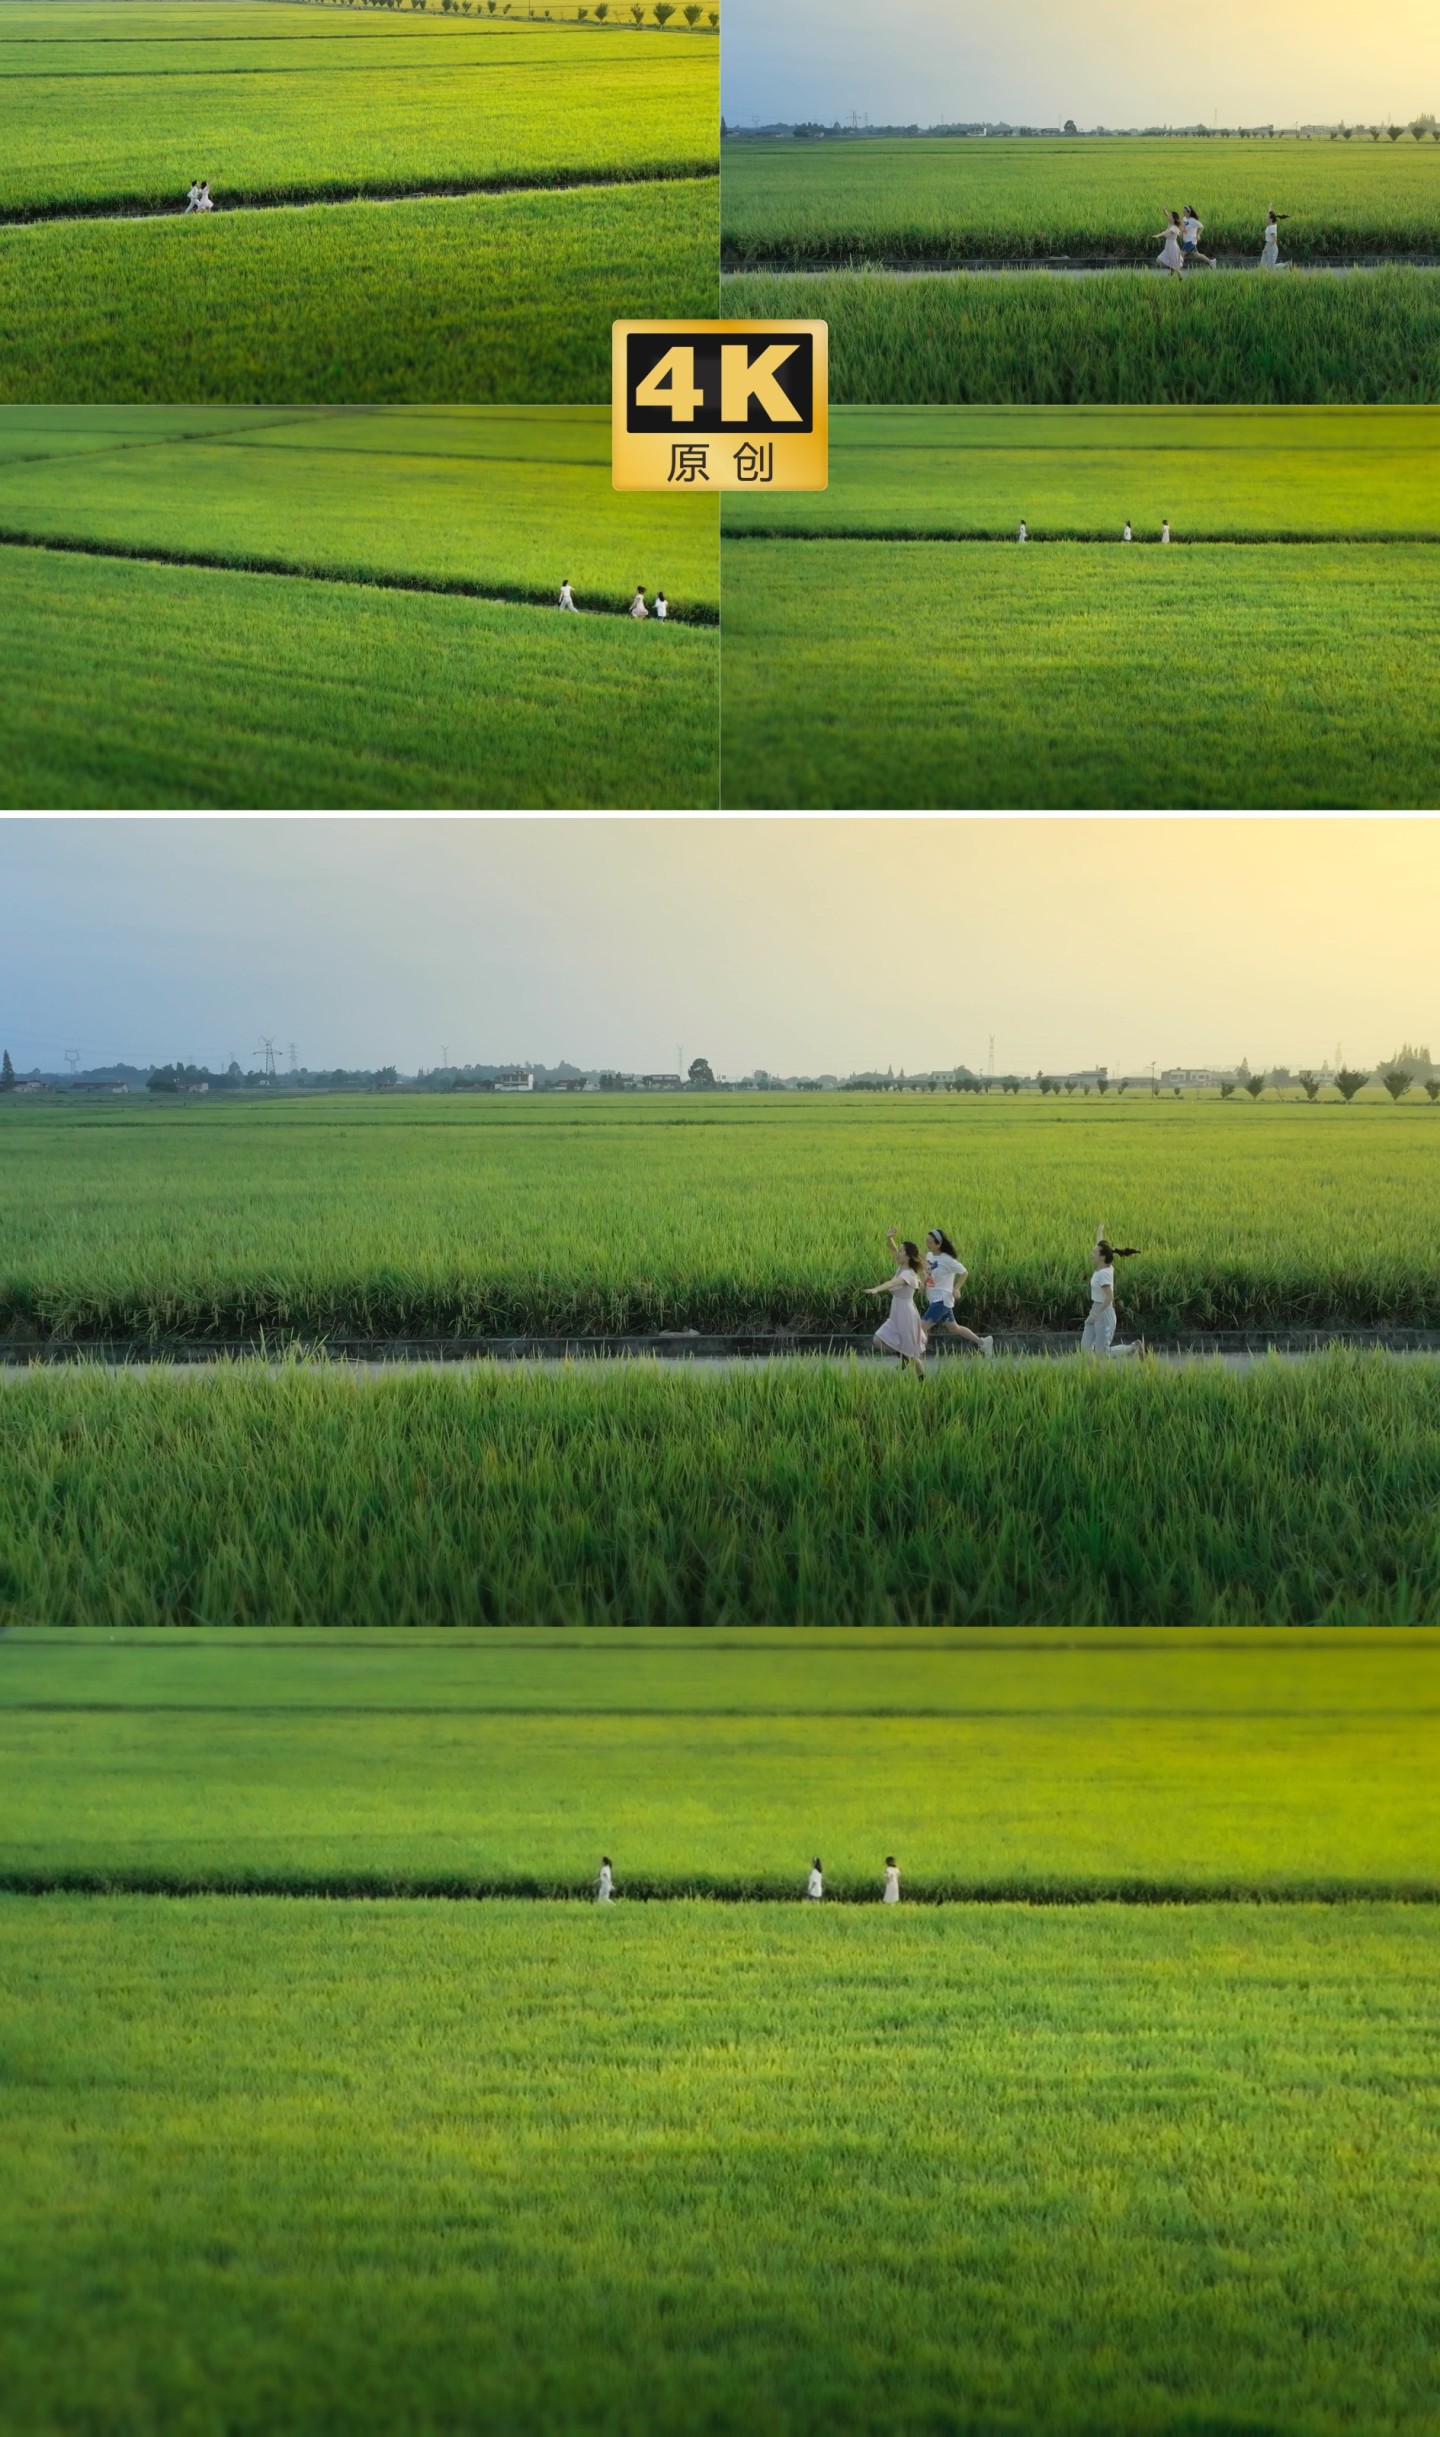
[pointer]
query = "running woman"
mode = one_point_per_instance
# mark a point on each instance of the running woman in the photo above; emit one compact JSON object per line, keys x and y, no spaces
{"x":662,"y":606}
{"x":945,"y":1274}
{"x":892,"y":1881}
{"x":1270,"y":256}
{"x":605,"y":1884}
{"x":1127,"y":535}
{"x":902,"y":1334}
{"x":637,"y":606}
{"x":567,"y":598}
{"x":1170,"y":257}
{"x":1098,"y":1334}
{"x":815,"y":1887}
{"x":204,"y":201}
{"x":1024,"y":533}
{"x":192,"y":200}
{"x":1164,"y":528}
{"x":1192,"y":229}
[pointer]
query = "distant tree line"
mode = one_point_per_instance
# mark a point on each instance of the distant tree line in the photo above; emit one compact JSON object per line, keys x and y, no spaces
{"x":598,"y":13}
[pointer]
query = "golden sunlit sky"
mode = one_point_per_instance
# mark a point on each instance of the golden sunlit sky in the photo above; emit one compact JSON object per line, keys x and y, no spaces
{"x":1117,"y":63}
{"x":803,"y":946}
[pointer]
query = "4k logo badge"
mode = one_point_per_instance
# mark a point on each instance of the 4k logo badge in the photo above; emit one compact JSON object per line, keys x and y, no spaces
{"x":720,"y":406}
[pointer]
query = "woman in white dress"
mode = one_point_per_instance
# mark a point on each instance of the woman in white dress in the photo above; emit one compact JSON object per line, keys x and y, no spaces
{"x":1270,"y":257}
{"x":1098,"y":1334}
{"x":1170,"y":257}
{"x":815,"y":1886}
{"x":892,"y":1881}
{"x":605,"y":1884}
{"x":902,"y":1333}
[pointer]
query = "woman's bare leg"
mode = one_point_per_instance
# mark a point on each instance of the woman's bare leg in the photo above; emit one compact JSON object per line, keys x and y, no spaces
{"x":953,"y":1328}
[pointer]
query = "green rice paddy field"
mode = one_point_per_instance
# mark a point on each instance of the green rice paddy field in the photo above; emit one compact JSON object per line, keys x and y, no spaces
{"x":953,"y":339}
{"x":941,"y":199}
{"x":855,"y":216}
{"x":396,"y":1217}
{"x":321,"y":649}
{"x":116,"y":105}
{"x":290,"y":2166}
{"x":870,"y":662}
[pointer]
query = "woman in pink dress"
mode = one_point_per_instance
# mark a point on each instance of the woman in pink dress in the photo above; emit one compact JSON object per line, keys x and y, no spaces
{"x":902,"y":1333}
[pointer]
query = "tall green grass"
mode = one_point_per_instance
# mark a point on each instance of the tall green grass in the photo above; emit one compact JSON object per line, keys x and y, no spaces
{"x":1371,"y":338}
{"x":1057,"y":1494}
{"x":941,"y":198}
{"x":471,"y":299}
{"x":393,"y":1217}
{"x":333,"y":693}
{"x":1077,"y":676}
{"x":287,"y":2165}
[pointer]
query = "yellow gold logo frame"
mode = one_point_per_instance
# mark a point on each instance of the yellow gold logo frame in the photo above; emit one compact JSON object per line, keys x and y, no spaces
{"x":740,"y":430}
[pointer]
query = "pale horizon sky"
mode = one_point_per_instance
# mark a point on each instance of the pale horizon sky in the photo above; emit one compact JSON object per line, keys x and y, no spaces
{"x":1112,"y":62}
{"x":800,"y":946}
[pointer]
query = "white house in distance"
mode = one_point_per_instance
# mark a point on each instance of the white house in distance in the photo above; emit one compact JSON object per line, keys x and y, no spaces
{"x":515,"y":1079}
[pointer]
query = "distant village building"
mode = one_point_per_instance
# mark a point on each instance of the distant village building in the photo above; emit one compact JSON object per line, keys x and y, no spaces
{"x":515,"y":1079}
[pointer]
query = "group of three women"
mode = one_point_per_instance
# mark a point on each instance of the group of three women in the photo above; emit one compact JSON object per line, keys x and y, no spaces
{"x":908,"y":1331}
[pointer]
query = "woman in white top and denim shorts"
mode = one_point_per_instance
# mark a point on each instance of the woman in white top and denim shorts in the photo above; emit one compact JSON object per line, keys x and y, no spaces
{"x":945,"y":1274}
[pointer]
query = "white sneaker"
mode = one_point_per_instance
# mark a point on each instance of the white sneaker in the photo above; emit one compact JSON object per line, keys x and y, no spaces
{"x":987,"y":1348}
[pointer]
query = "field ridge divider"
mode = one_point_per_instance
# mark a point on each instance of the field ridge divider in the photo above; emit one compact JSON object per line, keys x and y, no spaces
{"x":890,"y":536}
{"x":439,"y":190}
{"x":358,"y":1886}
{"x":379,"y":579}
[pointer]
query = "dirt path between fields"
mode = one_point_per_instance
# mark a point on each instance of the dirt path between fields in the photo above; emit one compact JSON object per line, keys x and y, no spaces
{"x":894,"y":538}
{"x":145,"y":554}
{"x":399,"y":1886}
{"x":544,"y":182}
{"x":714,"y":1355}
{"x":1094,"y":266}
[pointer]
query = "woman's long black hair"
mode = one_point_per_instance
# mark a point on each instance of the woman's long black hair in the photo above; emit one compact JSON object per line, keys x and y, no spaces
{"x":1116,"y":1252}
{"x":912,"y":1254}
{"x":945,"y":1243}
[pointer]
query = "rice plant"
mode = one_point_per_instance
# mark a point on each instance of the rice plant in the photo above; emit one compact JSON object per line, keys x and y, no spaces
{"x":400,"y":1217}
{"x":908,"y":339}
{"x":946,"y":198}
{"x":1059,"y":1493}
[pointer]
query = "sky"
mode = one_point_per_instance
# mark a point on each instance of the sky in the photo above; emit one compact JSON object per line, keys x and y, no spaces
{"x":803,"y":946}
{"x":1113,"y":62}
